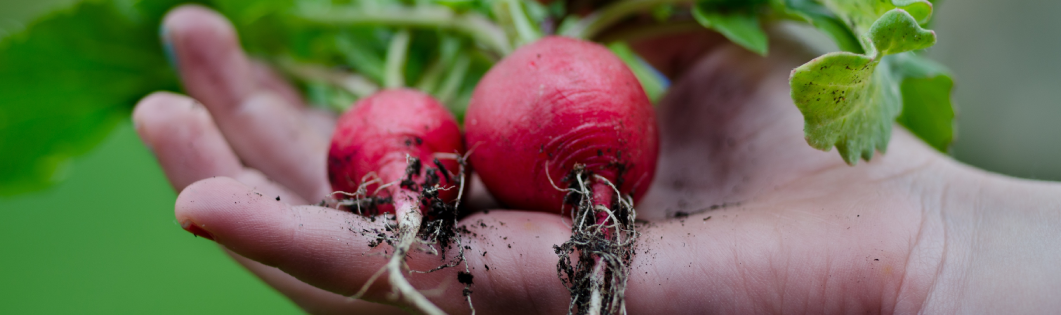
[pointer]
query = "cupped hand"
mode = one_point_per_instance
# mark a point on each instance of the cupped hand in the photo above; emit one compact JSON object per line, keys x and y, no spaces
{"x":743,"y":216}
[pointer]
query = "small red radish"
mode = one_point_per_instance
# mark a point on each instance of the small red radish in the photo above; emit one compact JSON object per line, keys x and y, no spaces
{"x":384,"y":150}
{"x":378,"y":134}
{"x":564,"y":122}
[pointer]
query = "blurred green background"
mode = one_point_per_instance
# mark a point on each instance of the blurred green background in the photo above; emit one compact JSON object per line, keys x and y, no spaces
{"x":105,"y":241}
{"x":1007,"y":73}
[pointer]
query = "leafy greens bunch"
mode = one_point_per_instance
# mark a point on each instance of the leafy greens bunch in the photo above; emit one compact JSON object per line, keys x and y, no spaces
{"x":69,"y":77}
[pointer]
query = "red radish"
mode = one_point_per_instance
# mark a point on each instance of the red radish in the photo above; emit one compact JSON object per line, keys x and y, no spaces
{"x":384,"y":149}
{"x":551,"y":105}
{"x":563,"y":121}
{"x":378,"y":134}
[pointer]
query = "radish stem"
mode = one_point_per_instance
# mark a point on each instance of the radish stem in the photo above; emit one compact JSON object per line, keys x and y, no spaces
{"x":453,"y":79}
{"x":354,"y":84}
{"x":526,"y":31}
{"x":473,"y":25}
{"x":394,"y":73}
{"x":449,"y":51}
{"x":594,"y":24}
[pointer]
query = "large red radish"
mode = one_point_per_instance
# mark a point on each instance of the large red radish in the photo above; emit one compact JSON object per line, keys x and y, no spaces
{"x":562,"y":124}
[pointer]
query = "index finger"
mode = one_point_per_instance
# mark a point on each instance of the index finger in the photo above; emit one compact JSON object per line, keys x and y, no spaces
{"x":509,"y":253}
{"x":263,"y":128}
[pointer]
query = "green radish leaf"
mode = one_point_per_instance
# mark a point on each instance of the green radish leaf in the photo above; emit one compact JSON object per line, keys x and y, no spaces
{"x":848,"y":101}
{"x":739,"y":24}
{"x":927,"y":109}
{"x":68,"y":78}
{"x":812,"y":12}
{"x":862,"y":14}
{"x":653,"y":82}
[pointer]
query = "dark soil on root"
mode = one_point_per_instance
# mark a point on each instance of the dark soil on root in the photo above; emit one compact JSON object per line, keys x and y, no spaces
{"x":591,"y":244}
{"x":438,"y":228}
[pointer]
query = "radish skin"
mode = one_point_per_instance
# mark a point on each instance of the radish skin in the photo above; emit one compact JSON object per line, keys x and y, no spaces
{"x":383,"y":149}
{"x":376,"y":136}
{"x":550,"y":105}
{"x":563,"y":123}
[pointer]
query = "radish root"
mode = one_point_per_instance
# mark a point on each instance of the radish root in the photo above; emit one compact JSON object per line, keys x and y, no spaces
{"x":406,"y":232}
{"x":409,"y":227}
{"x":595,"y":263}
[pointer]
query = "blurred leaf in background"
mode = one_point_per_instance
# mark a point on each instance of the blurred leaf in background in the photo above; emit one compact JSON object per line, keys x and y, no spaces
{"x":104,"y":241}
{"x":65,"y":87}
{"x":67,"y":77}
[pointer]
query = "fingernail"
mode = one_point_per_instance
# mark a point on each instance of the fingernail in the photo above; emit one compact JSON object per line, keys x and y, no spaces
{"x":197,"y":231}
{"x":167,"y":47}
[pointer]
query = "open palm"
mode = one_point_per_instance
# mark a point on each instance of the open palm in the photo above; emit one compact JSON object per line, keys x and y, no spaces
{"x":743,"y":216}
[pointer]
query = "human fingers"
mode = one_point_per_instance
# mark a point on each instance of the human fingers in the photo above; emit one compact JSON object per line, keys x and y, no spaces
{"x":783,"y":254}
{"x":311,"y":299}
{"x":509,"y":253}
{"x":269,"y":80}
{"x":263,"y":128}
{"x":190,"y":148}
{"x":184,"y":139}
{"x":320,"y":120}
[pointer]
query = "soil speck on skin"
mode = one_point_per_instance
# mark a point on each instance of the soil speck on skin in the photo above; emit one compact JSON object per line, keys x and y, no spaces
{"x":277,"y":198}
{"x":681,"y":215}
{"x":464,"y":277}
{"x":707,"y":218}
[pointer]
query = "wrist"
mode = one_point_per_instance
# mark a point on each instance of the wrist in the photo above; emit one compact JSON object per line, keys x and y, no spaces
{"x":1001,"y":241}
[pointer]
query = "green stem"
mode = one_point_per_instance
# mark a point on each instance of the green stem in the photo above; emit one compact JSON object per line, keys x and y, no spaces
{"x":472,"y":24}
{"x":526,"y":31}
{"x":394,"y":72}
{"x":430,"y":80}
{"x":454,"y":79}
{"x":592,"y":25}
{"x":356,"y":85}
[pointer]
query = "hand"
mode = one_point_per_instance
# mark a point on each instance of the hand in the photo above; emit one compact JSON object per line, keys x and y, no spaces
{"x":772,"y":225}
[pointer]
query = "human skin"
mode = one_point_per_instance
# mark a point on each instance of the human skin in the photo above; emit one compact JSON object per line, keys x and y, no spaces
{"x":796,"y":230}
